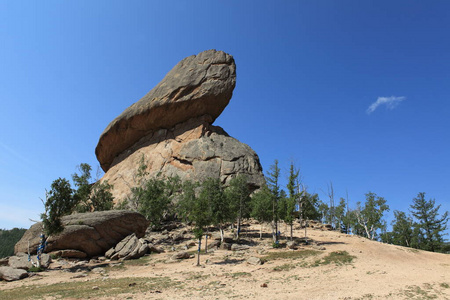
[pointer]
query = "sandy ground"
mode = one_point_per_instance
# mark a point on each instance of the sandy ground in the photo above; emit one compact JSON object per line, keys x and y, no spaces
{"x":378,"y":271}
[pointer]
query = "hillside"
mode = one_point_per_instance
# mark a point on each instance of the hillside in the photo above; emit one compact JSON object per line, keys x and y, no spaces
{"x":8,"y":238}
{"x":332,"y":266}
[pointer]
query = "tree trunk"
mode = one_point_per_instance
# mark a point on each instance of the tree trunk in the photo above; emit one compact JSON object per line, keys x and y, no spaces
{"x":238,"y":227}
{"x":206,"y":243}
{"x":199,"y":248}
{"x":260,"y":231}
{"x":292,"y":225}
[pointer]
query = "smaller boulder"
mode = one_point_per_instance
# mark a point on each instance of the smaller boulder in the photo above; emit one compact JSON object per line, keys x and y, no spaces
{"x":11,"y":274}
{"x":291,"y":245}
{"x":254,"y":261}
{"x":128,"y":248}
{"x":214,"y":244}
{"x":153,"y":249}
{"x":225,"y":246}
{"x":238,"y":247}
{"x":181,"y":255}
{"x":4,"y":261}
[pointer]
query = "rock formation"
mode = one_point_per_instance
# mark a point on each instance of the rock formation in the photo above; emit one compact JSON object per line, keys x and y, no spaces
{"x":171,"y":127}
{"x":91,"y":233}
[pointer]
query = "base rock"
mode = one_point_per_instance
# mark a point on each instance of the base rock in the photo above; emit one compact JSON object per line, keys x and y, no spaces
{"x":92,"y":233}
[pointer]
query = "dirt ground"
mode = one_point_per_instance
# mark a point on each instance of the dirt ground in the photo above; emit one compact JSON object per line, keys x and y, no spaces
{"x":376,"y":271}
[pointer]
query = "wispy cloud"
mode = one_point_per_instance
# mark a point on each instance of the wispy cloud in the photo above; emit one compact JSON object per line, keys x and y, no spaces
{"x":390,"y":102}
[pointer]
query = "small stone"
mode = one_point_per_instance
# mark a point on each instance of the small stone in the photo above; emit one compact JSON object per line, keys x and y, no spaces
{"x":254,"y":261}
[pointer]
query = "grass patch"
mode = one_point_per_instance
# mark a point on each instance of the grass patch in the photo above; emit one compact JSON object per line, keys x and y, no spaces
{"x":142,"y":261}
{"x":337,"y":257}
{"x":416,"y":291}
{"x":239,"y":274}
{"x":89,"y":289}
{"x":197,"y":276}
{"x":289,"y":255}
{"x":285,"y":267}
{"x":444,"y":285}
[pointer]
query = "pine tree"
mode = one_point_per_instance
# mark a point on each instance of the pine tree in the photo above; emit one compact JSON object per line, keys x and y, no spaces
{"x":272,"y":178}
{"x":238,"y":196}
{"x":291,"y":201}
{"x":430,"y":226}
{"x":402,"y":230}
{"x":261,"y":204}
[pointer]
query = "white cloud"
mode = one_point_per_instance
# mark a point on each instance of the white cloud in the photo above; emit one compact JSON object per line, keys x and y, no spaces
{"x":390,"y":102}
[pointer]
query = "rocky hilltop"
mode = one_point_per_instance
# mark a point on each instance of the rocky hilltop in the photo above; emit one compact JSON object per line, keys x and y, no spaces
{"x":171,"y":127}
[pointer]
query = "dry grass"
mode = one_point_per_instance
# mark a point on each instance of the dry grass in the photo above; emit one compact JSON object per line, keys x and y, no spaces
{"x":93,"y":288}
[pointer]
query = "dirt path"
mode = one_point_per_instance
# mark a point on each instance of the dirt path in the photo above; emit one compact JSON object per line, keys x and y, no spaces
{"x":377,"y":271}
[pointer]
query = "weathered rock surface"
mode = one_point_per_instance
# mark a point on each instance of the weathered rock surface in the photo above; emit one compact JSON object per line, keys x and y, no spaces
{"x":193,"y":150}
{"x":20,"y":261}
{"x":11,"y":274}
{"x":171,"y":127}
{"x":181,"y":255}
{"x":69,"y":253}
{"x":92,"y":233}
{"x":254,"y":261}
{"x":128,"y":248}
{"x":198,"y":85}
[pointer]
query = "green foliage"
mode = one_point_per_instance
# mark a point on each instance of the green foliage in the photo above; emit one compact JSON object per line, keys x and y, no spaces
{"x":370,"y":215}
{"x":213,"y":194}
{"x":430,"y":226}
{"x":238,"y":197}
{"x":310,"y":206}
{"x":59,"y":202}
{"x":82,"y":193}
{"x":154,"y":199}
{"x":101,"y":197}
{"x":8,"y":239}
{"x":272,"y":178}
{"x":402,"y":230}
{"x":288,"y":204}
{"x":63,"y":200}
{"x":261,"y":204}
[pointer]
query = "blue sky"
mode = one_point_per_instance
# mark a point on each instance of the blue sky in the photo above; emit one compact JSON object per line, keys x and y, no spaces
{"x":354,"y":92}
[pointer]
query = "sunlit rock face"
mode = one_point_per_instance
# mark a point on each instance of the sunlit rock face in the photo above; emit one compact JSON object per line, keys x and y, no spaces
{"x":171,"y":128}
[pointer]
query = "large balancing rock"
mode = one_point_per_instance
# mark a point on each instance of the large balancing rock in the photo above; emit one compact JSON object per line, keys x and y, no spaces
{"x":92,"y":233}
{"x":198,"y":85}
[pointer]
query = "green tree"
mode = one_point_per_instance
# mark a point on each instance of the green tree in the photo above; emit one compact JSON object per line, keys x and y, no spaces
{"x":201,"y":215}
{"x":82,"y":194}
{"x":238,"y":196}
{"x":370,"y":216}
{"x":430,"y":226}
{"x":340,"y":212}
{"x":101,"y":197}
{"x":402,"y":230}
{"x":219,"y":209}
{"x":290,"y":202}
{"x":8,"y":239}
{"x":59,"y":202}
{"x":155,"y":199}
{"x":187,"y":200}
{"x":90,"y":196}
{"x":273,"y":177}
{"x":261,"y":203}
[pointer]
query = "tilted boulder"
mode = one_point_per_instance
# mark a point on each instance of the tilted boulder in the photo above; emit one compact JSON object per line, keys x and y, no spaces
{"x":194,"y":150}
{"x":92,"y":233}
{"x":198,"y":85}
{"x":128,"y":248}
{"x":171,"y":127}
